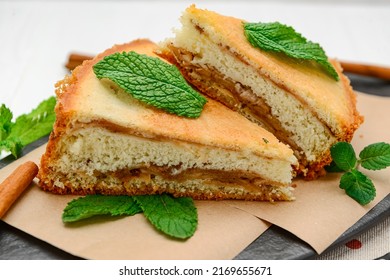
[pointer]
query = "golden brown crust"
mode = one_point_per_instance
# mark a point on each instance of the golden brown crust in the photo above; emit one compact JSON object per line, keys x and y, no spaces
{"x":356,"y":119}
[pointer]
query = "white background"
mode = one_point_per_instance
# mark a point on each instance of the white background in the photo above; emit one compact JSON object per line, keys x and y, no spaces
{"x":37,"y":36}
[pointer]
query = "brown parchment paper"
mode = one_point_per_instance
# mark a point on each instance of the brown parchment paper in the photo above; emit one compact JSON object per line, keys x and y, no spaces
{"x":223,"y":231}
{"x":322,"y":211}
{"x":320,"y":214}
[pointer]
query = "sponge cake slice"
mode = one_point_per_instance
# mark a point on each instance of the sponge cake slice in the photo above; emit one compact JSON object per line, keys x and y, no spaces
{"x":301,"y":106}
{"x":107,"y":142}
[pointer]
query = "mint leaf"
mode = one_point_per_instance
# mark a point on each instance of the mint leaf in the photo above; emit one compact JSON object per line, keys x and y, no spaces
{"x":38,"y":123}
{"x":12,"y":145}
{"x":152,"y":81}
{"x":333,"y":168}
{"x":5,"y":122}
{"x":176,"y":217}
{"x":375,"y":156}
{"x":277,"y":37}
{"x":358,"y":186}
{"x":93,"y":205}
{"x":343,"y":156}
{"x":27,"y":127}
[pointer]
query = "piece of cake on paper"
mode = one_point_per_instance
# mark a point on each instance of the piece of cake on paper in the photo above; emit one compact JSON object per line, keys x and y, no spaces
{"x":302,"y":105}
{"x":105,"y":141}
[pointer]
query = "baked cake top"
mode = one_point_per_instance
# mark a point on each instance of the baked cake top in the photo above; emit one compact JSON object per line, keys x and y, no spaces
{"x":83,"y":99}
{"x":333,"y":101}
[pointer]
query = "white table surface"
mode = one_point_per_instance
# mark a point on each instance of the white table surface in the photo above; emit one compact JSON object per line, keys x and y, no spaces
{"x":37,"y":36}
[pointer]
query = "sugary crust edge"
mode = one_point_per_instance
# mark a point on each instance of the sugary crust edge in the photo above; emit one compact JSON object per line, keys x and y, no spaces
{"x":357,"y":119}
{"x":348,"y":128}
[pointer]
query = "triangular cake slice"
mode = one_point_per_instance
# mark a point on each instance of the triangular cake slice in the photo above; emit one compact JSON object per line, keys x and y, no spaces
{"x":107,"y":142}
{"x":303,"y":107}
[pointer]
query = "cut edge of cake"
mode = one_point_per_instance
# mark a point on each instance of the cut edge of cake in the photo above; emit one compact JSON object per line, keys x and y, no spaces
{"x":301,"y":106}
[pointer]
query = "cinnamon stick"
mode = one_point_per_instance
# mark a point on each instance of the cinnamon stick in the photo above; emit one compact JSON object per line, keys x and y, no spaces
{"x":366,"y":70}
{"x":75,"y":60}
{"x":14,"y":185}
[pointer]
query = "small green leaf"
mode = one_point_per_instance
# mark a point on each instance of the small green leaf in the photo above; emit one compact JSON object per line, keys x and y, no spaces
{"x":333,"y":168}
{"x":152,"y":81}
{"x":358,"y":186}
{"x":38,"y":123}
{"x":176,"y":217}
{"x":93,"y":205}
{"x":277,"y":37}
{"x":343,"y":155}
{"x":5,"y":122}
{"x":375,"y":156}
{"x":12,"y":145}
{"x":27,"y":127}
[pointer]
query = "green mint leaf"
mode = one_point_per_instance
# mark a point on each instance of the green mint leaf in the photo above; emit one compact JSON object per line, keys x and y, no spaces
{"x":152,"y":81}
{"x":333,"y":168}
{"x":343,"y":156}
{"x":358,"y":186}
{"x":94,"y":205}
{"x":375,"y":156}
{"x":277,"y":37}
{"x":5,"y":122}
{"x":176,"y":217}
{"x":12,"y":145}
{"x":27,"y":127}
{"x":38,"y":123}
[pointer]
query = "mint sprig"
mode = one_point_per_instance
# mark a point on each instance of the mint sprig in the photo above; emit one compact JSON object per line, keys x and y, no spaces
{"x":176,"y":217}
{"x":356,"y":184}
{"x":27,"y":128}
{"x":152,"y":81}
{"x":280,"y":38}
